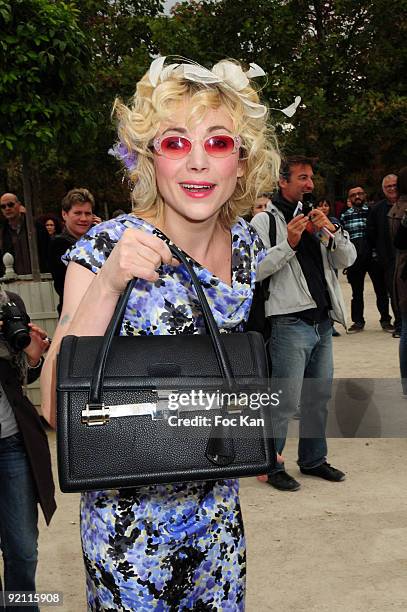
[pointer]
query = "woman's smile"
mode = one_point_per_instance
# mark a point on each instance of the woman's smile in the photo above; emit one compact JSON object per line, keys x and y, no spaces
{"x":197,"y":189}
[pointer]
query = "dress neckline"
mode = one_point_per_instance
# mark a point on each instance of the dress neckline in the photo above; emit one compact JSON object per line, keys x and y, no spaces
{"x":236,"y":232}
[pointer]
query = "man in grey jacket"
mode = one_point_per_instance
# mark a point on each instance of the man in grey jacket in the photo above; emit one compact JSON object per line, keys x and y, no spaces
{"x":304,"y":298}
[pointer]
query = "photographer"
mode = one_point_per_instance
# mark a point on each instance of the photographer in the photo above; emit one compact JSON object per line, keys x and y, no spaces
{"x":304,"y":298}
{"x":25,"y":465}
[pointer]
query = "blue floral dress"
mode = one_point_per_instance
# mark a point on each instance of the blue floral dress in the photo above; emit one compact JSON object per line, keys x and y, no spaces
{"x":177,"y":546}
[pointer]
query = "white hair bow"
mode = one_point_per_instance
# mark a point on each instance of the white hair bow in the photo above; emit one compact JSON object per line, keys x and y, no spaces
{"x":227,"y":73}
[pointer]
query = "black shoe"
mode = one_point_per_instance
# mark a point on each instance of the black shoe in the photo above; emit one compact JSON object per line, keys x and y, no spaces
{"x":387,"y":326}
{"x":283,"y":481}
{"x":325,"y":471}
{"x":335,"y":333}
{"x":355,"y":328}
{"x":396,"y":334}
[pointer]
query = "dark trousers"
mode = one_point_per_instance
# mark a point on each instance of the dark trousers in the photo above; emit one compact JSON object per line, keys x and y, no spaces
{"x":356,"y":277}
{"x":18,"y":519}
{"x":388,"y":271}
{"x":403,"y":353}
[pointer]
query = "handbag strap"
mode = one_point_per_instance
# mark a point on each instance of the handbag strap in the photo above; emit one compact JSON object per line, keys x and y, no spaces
{"x":220,"y":448}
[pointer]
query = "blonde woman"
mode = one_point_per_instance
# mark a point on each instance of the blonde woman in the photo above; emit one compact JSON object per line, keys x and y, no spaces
{"x":198,"y":151}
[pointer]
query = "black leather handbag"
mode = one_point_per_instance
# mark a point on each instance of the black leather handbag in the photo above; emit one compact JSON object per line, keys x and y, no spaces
{"x":140,"y":410}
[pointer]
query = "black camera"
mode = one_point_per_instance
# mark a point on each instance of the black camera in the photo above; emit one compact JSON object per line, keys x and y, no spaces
{"x":308,"y":202}
{"x":15,"y":326}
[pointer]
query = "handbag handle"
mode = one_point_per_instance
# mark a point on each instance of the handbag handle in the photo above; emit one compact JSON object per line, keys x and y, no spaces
{"x":220,"y":447}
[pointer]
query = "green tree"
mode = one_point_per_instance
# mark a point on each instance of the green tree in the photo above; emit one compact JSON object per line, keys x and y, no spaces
{"x":109,"y":48}
{"x":346,"y":59}
{"x":120,"y":40}
{"x":43,"y":56}
{"x":348,"y":66}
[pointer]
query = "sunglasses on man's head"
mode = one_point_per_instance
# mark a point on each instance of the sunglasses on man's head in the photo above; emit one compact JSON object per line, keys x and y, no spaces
{"x":176,"y":147}
{"x":8,"y":205}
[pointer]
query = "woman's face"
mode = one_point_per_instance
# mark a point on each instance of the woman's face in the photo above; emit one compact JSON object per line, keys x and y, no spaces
{"x":324,"y":206}
{"x":195,"y":187}
{"x":50,"y":227}
{"x":260,"y":205}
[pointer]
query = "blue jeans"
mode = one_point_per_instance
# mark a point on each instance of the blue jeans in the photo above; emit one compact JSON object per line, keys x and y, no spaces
{"x":18,"y":518}
{"x":302,"y":371}
{"x":403,"y":353}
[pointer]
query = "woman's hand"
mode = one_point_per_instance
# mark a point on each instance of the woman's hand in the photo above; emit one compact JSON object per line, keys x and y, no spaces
{"x":38,"y":346}
{"x":136,"y":255}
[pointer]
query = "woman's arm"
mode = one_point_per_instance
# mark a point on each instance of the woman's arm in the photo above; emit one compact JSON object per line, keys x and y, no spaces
{"x":90,"y":299}
{"x":78,"y":281}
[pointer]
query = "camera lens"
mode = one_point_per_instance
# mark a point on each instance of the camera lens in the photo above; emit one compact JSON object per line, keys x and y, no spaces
{"x":20,"y":339}
{"x":15,"y":326}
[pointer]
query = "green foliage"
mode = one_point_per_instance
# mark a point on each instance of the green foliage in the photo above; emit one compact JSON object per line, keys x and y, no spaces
{"x":44,"y":77}
{"x":120,"y":42}
{"x":63,"y":63}
{"x":346,"y":59}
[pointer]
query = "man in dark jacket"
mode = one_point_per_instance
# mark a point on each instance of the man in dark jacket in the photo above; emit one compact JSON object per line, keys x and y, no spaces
{"x":77,"y":213}
{"x":355,"y":221}
{"x":25,"y":463}
{"x":378,"y":231}
{"x":14,"y":236}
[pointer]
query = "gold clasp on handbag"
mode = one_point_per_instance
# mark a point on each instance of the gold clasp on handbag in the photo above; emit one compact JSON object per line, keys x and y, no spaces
{"x":95,"y":414}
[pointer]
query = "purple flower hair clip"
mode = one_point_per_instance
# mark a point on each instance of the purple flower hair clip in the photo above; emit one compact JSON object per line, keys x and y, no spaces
{"x":125,"y":155}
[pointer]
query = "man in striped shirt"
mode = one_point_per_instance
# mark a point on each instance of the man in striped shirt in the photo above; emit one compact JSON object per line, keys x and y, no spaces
{"x":354,"y":220}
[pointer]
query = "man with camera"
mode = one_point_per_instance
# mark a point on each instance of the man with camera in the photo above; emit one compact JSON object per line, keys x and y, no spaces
{"x":304,"y":298}
{"x":25,"y":464}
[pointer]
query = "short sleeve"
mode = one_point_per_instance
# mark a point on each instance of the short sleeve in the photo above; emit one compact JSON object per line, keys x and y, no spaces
{"x":92,"y":250}
{"x":258,"y":250}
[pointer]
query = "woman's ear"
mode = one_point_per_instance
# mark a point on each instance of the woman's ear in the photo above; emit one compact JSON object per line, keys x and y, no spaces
{"x":241,"y":168}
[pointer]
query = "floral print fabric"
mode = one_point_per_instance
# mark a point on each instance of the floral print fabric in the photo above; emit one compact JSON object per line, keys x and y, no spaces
{"x":177,"y":546}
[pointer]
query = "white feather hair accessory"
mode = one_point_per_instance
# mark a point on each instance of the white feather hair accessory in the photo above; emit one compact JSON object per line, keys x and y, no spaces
{"x":227,"y":73}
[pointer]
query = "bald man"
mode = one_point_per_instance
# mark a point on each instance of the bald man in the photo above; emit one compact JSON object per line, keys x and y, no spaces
{"x":14,"y":237}
{"x":378,"y":227}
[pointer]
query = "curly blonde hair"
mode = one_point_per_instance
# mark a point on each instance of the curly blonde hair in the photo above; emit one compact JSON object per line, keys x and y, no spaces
{"x":151,"y":105}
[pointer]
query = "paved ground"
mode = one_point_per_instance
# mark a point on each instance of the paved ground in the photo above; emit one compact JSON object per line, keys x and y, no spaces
{"x":329,"y":547}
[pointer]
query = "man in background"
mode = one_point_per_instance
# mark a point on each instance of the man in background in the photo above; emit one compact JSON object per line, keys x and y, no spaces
{"x":304,"y":297}
{"x":355,"y":221}
{"x":77,"y":213}
{"x":378,"y":230}
{"x":14,"y":236}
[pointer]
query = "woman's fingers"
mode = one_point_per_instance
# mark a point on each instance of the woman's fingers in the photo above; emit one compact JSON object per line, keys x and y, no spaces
{"x":147,"y":246}
{"x":149,"y":255}
{"x":136,"y":255}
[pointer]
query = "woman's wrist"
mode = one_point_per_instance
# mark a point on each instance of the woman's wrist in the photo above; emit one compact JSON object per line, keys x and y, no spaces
{"x":103,"y":284}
